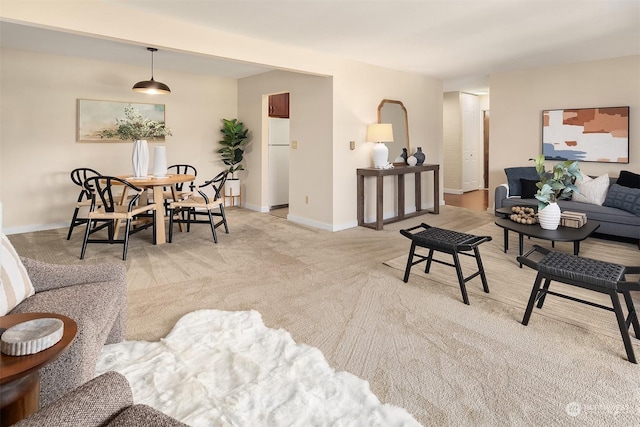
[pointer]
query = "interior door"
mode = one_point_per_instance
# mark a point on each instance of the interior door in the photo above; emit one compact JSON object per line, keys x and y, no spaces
{"x":471,"y":137}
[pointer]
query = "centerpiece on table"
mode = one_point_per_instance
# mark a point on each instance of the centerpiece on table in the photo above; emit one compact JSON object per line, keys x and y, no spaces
{"x":137,"y":128}
{"x":554,"y":185}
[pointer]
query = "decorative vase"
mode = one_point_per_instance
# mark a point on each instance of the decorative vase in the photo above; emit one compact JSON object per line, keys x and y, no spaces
{"x":404,"y":155}
{"x":412,"y":161}
{"x":380,"y":154}
{"x":549,"y":217}
{"x":140,"y":158}
{"x":420,"y":157}
{"x":160,"y":161}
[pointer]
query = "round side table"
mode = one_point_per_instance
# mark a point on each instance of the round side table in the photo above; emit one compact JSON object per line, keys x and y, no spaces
{"x":19,"y":377}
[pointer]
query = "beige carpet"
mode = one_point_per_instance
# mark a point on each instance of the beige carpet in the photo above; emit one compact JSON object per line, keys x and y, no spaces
{"x":417,"y":344}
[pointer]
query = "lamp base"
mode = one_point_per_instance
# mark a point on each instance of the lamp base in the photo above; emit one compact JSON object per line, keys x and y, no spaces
{"x":380,"y":155}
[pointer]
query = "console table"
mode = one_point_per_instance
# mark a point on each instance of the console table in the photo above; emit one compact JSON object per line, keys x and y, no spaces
{"x":400,"y":172}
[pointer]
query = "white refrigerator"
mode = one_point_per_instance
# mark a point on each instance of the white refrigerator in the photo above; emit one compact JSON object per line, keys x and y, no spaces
{"x":278,"y":162}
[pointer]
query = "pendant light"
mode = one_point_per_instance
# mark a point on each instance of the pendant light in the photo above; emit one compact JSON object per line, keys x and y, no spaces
{"x":151,"y":87}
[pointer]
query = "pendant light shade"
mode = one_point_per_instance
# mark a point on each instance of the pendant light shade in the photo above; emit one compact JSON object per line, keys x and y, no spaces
{"x":151,"y":87}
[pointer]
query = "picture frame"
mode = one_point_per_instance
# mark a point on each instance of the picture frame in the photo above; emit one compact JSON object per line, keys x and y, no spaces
{"x":586,"y":134}
{"x":94,"y":116}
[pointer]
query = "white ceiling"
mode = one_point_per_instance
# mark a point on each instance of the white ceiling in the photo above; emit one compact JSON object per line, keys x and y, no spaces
{"x":458,"y":41}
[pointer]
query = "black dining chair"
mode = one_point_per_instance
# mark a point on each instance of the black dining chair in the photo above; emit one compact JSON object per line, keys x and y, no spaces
{"x":106,"y":207}
{"x":79,"y":176}
{"x":205,"y":200}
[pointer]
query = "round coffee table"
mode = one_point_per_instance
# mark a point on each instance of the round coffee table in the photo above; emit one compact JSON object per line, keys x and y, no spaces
{"x":19,"y":377}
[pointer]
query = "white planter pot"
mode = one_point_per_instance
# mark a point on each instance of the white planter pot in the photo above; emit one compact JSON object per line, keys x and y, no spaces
{"x":140,"y":158}
{"x":549,"y":217}
{"x":232,"y":187}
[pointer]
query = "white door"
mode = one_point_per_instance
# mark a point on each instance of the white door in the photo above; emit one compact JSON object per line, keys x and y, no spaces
{"x":471,"y":139}
{"x":278,"y":162}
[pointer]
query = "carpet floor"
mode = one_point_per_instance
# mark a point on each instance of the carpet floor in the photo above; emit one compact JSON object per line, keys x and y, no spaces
{"x":417,"y":344}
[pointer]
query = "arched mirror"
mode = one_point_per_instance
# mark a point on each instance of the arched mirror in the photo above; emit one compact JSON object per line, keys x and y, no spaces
{"x":394,"y":112}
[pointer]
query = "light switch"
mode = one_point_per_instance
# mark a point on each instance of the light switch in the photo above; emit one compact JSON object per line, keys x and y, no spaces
{"x":352,"y":145}
{"x":294,"y":145}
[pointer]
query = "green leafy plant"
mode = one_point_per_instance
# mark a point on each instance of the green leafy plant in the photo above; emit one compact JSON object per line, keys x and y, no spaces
{"x":135,"y":126}
{"x":233,"y":143}
{"x":558,"y":183}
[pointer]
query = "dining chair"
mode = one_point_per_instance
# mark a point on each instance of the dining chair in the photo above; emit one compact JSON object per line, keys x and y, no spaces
{"x":205,"y":200}
{"x":179,"y":190}
{"x":79,"y":176}
{"x":105,"y":207}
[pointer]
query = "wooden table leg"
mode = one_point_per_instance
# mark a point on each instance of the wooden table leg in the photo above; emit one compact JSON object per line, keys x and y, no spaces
{"x":19,"y":399}
{"x":400,"y":196}
{"x":436,"y":191}
{"x":418,"y":188}
{"x":360,"y":199}
{"x":379,"y":202}
{"x":158,"y":199}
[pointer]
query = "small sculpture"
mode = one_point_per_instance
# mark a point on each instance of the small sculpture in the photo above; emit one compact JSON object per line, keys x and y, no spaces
{"x":420,"y":157}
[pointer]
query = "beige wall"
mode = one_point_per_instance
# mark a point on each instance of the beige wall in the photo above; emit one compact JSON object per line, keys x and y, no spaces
{"x":518,"y":98}
{"x":38,"y":139}
{"x":452,"y":143}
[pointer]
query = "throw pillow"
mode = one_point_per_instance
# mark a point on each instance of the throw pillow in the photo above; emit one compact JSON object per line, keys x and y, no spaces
{"x":529,"y":188}
{"x":16,"y":285}
{"x":592,"y":191}
{"x":515,"y":174}
{"x":629,"y":179}
{"x":625,"y":198}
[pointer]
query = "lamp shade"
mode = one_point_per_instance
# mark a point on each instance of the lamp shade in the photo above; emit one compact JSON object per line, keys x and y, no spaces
{"x":151,"y":87}
{"x":380,"y":132}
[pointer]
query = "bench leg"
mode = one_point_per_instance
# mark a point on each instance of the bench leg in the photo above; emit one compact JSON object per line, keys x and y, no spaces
{"x":532,"y":299}
{"x":407,"y":270}
{"x":463,"y":288}
{"x":547,"y":282}
{"x":485,"y":285}
{"x":427,"y":267}
{"x":624,"y":331}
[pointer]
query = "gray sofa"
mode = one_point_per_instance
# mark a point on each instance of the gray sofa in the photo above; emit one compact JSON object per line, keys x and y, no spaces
{"x":613,"y":221}
{"x":92,"y":295}
{"x":103,"y":401}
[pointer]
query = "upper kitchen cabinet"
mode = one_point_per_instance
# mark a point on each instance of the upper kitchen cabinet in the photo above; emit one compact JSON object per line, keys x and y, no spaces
{"x":279,"y":105}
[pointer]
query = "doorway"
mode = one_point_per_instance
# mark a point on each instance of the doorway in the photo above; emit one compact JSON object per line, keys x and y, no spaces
{"x":278,"y":153}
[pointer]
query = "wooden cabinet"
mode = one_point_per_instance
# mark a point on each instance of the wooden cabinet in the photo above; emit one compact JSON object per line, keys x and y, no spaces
{"x":279,"y":105}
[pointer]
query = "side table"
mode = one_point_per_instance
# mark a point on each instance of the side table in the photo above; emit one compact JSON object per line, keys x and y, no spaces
{"x":19,"y":377}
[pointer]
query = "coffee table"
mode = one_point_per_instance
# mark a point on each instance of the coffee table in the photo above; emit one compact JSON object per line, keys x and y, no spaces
{"x":561,"y":234}
{"x":19,"y":378}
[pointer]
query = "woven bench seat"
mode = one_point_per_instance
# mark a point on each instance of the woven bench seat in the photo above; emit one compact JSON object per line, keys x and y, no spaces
{"x":447,"y":241}
{"x":599,"y":276}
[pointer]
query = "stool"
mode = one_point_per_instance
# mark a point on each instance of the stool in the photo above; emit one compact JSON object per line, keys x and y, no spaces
{"x":450,"y":242}
{"x":586,"y":273}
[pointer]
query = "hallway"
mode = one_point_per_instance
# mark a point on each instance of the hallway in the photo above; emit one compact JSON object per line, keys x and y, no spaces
{"x":477,"y":200}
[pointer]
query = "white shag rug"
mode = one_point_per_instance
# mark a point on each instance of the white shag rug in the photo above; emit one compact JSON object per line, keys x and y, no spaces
{"x":220,"y":368}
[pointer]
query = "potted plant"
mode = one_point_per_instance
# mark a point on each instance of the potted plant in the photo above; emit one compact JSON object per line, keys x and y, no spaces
{"x":554,"y":185}
{"x":234,"y":141}
{"x":137,"y":128}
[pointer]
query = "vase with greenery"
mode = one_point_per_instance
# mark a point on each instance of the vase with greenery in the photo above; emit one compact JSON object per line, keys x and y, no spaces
{"x":554,"y":185}
{"x":234,"y":141}
{"x":137,"y":128}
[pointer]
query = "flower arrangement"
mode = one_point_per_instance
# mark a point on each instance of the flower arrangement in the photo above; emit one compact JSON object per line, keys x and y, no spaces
{"x":136,"y":127}
{"x":558,"y":183}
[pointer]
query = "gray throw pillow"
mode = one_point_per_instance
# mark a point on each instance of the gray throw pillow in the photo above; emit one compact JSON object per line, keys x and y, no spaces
{"x":625,"y":198}
{"x":515,"y":174}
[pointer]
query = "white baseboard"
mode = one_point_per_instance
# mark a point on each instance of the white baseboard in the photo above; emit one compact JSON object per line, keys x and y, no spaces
{"x":452,"y":191}
{"x":37,"y":227}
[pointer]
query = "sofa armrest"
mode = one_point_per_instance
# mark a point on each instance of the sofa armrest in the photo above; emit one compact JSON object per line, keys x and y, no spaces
{"x":501,"y":193}
{"x":145,"y":416}
{"x":45,"y":276}
{"x":95,"y":403}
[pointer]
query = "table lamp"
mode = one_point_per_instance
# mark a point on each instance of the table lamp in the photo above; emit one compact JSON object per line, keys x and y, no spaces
{"x":380,"y":133}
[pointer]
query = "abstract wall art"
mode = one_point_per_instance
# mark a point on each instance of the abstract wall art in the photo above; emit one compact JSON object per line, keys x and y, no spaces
{"x":586,"y":134}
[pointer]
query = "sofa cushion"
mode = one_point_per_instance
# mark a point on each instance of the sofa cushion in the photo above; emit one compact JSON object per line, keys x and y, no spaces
{"x":629,"y":179}
{"x":625,"y":198}
{"x":591,"y":190}
{"x":515,"y":174}
{"x":529,"y":188}
{"x":16,"y":285}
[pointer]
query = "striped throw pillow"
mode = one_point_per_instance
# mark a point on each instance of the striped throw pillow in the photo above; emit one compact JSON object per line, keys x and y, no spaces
{"x":16,"y":285}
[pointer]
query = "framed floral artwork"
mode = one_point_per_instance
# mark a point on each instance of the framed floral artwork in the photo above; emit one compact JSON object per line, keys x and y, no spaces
{"x":586,"y":134}
{"x":95,"y":117}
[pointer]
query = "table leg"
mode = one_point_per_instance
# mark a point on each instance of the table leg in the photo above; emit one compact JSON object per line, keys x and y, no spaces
{"x":400,"y":196}
{"x":360,"y":199}
{"x":19,"y":399}
{"x":506,"y":240}
{"x":576,"y":247}
{"x":436,"y":191}
{"x":418,"y":188}
{"x":520,"y":245}
{"x":379,"y":202}
{"x":158,"y":199}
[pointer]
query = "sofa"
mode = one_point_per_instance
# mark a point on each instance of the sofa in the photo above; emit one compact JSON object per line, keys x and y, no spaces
{"x":94,"y":296}
{"x":621,"y":221}
{"x":103,"y":401}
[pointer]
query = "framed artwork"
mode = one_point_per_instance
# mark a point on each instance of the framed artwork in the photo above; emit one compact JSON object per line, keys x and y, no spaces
{"x":96,"y":116}
{"x":586,"y":134}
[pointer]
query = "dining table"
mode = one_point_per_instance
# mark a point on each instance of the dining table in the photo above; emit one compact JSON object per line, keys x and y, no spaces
{"x":157,"y":184}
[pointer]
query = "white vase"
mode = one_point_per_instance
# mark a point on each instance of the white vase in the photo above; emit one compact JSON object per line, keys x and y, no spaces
{"x":380,"y":155}
{"x":549,"y":217}
{"x":140,"y":158}
{"x":160,"y":161}
{"x":411,"y":161}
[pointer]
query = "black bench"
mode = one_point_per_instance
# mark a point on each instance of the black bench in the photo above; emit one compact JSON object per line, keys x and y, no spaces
{"x":598,"y":276}
{"x":447,"y":241}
